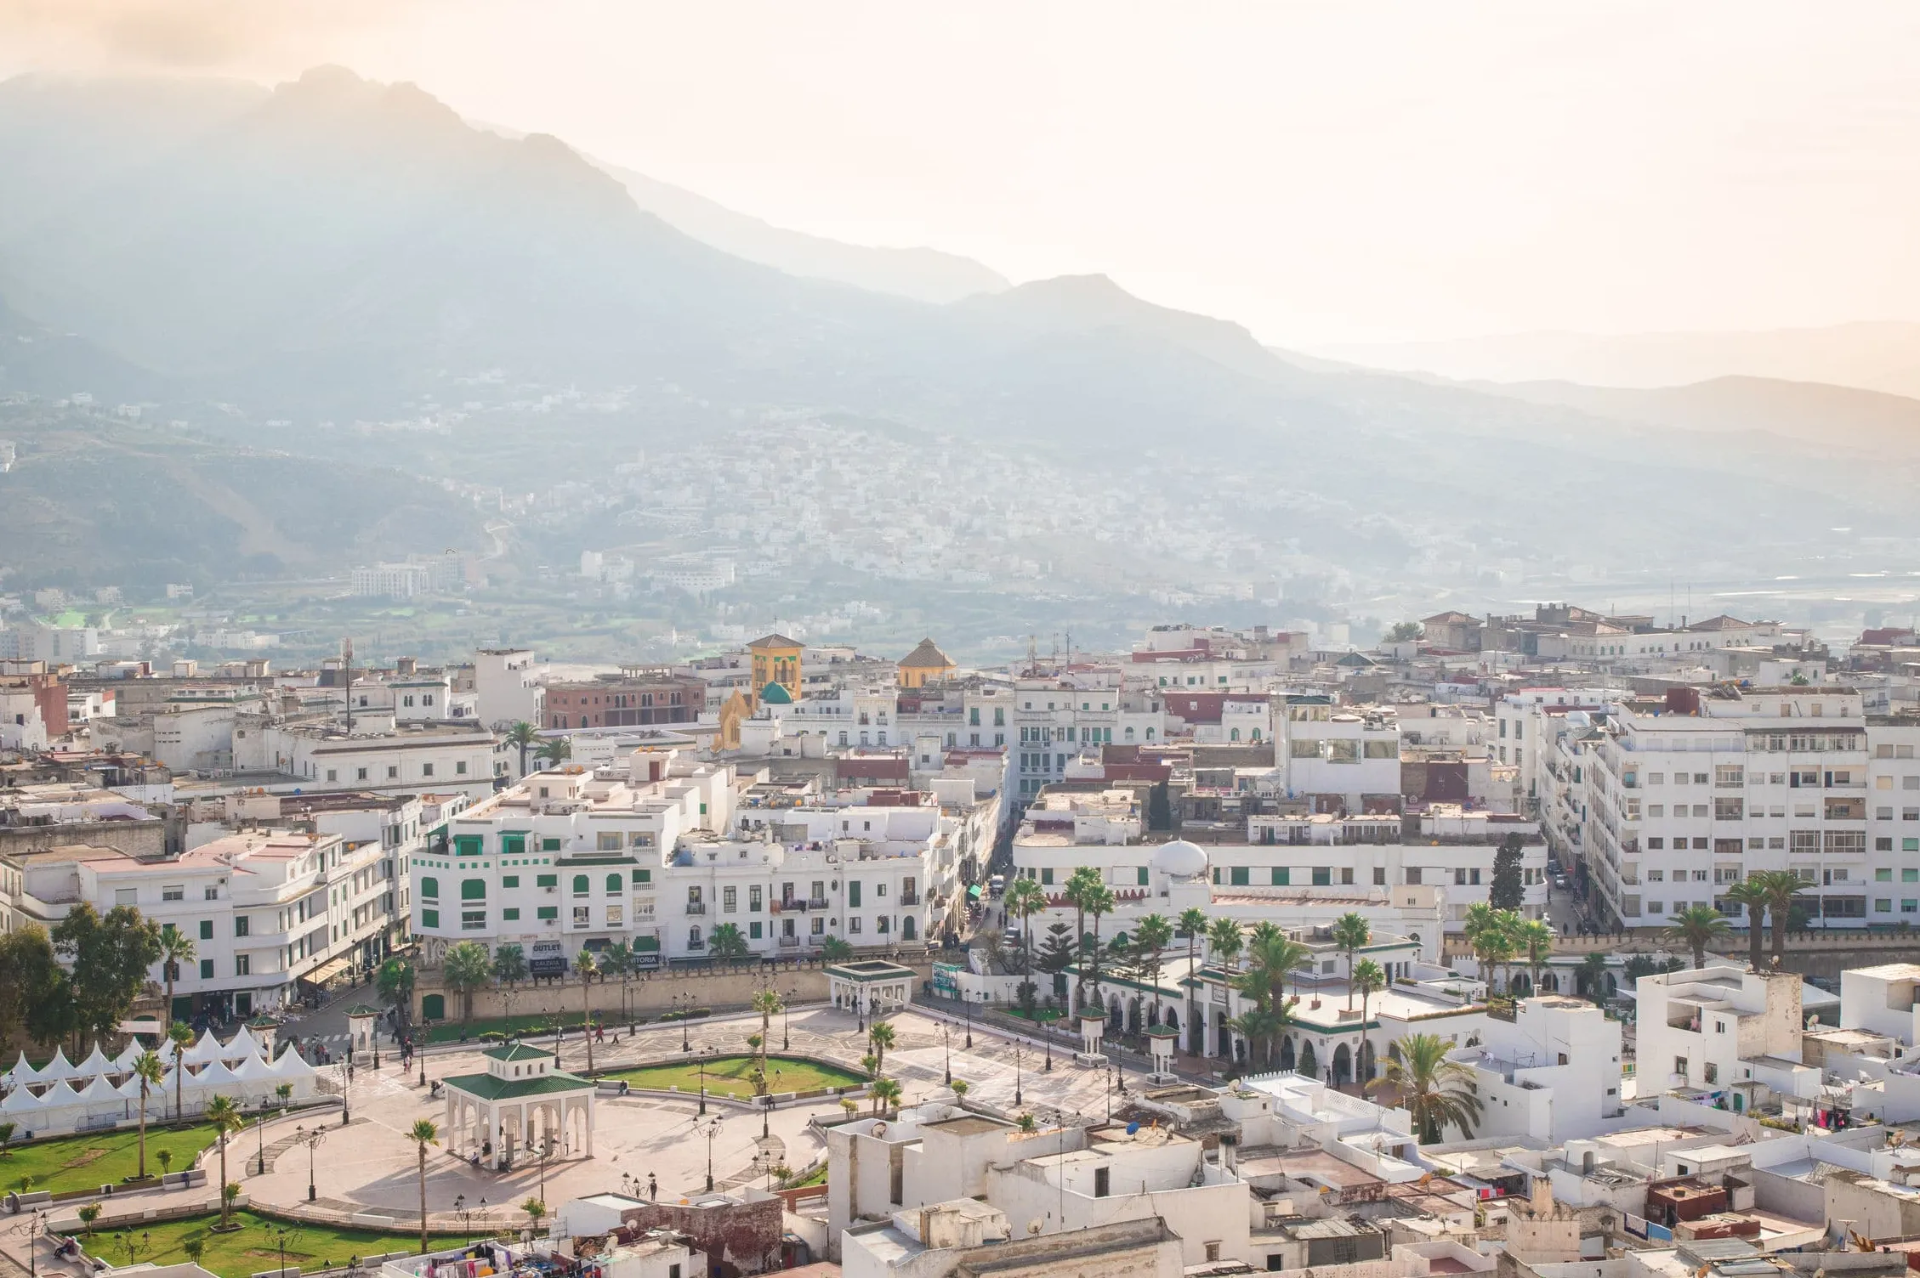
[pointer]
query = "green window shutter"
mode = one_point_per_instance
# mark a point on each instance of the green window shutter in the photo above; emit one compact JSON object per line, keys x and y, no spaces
{"x":753,"y":931}
{"x":549,"y":845}
{"x":206,"y":969}
{"x":614,"y":886}
{"x":510,"y":914}
{"x":853,"y":891}
{"x":429,"y":888}
{"x":546,"y":880}
{"x":547,"y":912}
{"x":473,"y":889}
{"x":1237,"y":875}
{"x":509,"y":880}
{"x":1216,"y":875}
{"x":580,"y":887}
{"x":513,"y":844}
{"x":642,"y":876}
{"x":1322,"y":876}
{"x":1046,"y":876}
{"x":1282,"y":876}
{"x":1142,"y":880}
{"x":467,"y":844}
{"x":206,"y":929}
{"x":429,"y":918}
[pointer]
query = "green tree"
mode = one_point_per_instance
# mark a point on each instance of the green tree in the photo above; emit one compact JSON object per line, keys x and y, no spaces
{"x":108,"y":957}
{"x":960,"y":1088}
{"x":148,"y":1069}
{"x":466,"y":968}
{"x":1437,"y":1092}
{"x":554,"y":751}
{"x":1272,"y":957}
{"x":1780,"y":887}
{"x":35,"y":992}
{"x":194,"y":1248}
{"x":1307,"y":1063}
{"x":1351,"y":933}
{"x":1490,"y":932}
{"x":1509,"y":885}
{"x":835,"y":950}
{"x":534,"y":1208}
{"x":1533,"y":941}
{"x":521,"y":736}
{"x":424,"y":1133}
{"x":1193,"y":926}
{"x":1696,"y":927}
{"x":1057,"y":951}
{"x":1369,"y":978}
{"x":769,"y":1004}
{"x":1159,"y":807}
{"x":394,"y":984}
{"x":1151,"y":936}
{"x":1403,"y":632}
{"x":224,"y":1117}
{"x":509,"y":964}
{"x":1260,"y":1027}
{"x":1752,"y":893}
{"x":727,"y":945}
{"x":6,"y":1138}
{"x":885,"y":1093}
{"x":1593,"y":976}
{"x":880,"y":1035}
{"x":180,"y":1034}
{"x":176,"y":948}
{"x":1025,"y":899}
{"x":1083,"y":887}
{"x":88,"y":1215}
{"x":587,"y":964}
{"x":164,"y":1157}
{"x":1226,"y":938}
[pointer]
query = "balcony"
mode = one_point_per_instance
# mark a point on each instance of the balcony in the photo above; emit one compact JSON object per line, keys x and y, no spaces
{"x":789,"y":942}
{"x":816,"y":903}
{"x":909,"y":898}
{"x":696,"y":907}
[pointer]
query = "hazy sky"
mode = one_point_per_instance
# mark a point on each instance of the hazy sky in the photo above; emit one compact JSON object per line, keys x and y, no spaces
{"x":1321,"y":172}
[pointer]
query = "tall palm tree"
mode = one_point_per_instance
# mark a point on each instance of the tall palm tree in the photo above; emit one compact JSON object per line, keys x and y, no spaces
{"x":768,"y":1003}
{"x":1025,"y":899}
{"x":180,"y":1034}
{"x":1151,"y":936}
{"x":554,"y":751}
{"x":1081,"y":887}
{"x":1369,"y":978}
{"x":423,"y":1133}
{"x":1780,"y":887}
{"x":1272,"y":956}
{"x":176,"y":947}
{"x":1535,"y":940}
{"x":885,"y":1093}
{"x":1351,"y":933}
{"x":1593,"y":969}
{"x":1193,"y":922}
{"x":1693,"y":927}
{"x":1437,"y":1092}
{"x":1225,"y":940}
{"x":586,"y":965}
{"x":1258,"y":1025}
{"x":523,"y":735}
{"x":224,"y":1117}
{"x":880,"y":1035}
{"x":1490,"y":933}
{"x":1751,"y":892}
{"x":148,"y":1069}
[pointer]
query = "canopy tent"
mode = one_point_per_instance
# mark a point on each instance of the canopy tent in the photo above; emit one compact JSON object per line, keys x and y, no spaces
{"x":290,"y":1064}
{"x":58,"y":1068}
{"x":214,"y":1075}
{"x":123,"y":1063}
{"x":254,"y":1069}
{"x":95,"y":1065}
{"x":240,"y":1046}
{"x":60,"y":1093}
{"x":205,"y":1050}
{"x":21,"y":1074}
{"x":20,"y":1100}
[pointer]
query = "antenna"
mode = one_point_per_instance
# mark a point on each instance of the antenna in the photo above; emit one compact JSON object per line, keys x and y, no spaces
{"x":346,"y":663}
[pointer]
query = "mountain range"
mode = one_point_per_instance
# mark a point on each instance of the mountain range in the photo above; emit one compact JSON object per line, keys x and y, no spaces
{"x":339,"y":248}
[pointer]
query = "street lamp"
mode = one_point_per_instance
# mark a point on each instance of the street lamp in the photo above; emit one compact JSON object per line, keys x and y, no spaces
{"x":967,"y":1002}
{"x":260,"y":1138}
{"x":466,"y":1218}
{"x":1046,"y":1030}
{"x":346,"y":1082}
{"x":705,"y":1052}
{"x":1016,"y":1074}
{"x":685,"y":1044}
{"x":36,"y":1229}
{"x":786,"y":1014}
{"x":946,"y":1038}
{"x":712,"y":1130}
{"x":311,"y":1139}
{"x":423,"y":1059}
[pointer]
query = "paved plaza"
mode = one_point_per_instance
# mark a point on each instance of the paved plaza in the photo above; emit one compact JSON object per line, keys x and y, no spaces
{"x":369,"y":1167}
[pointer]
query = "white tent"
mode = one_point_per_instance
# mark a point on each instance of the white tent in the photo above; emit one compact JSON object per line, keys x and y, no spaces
{"x":59,"y":1094}
{"x":290,"y":1064}
{"x":95,"y":1065}
{"x":20,"y":1100}
{"x":240,"y":1046}
{"x":204,"y":1050}
{"x":123,"y":1063}
{"x":58,"y":1068}
{"x":214,"y":1075}
{"x":21,"y":1074}
{"x":254,"y":1069}
{"x":169,"y":1083}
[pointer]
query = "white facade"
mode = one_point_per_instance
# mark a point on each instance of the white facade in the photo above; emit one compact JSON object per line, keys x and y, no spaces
{"x":1053,"y":720}
{"x":416,"y":756}
{"x":505,"y":686}
{"x":1721,"y":1028}
{"x":1551,"y":1074}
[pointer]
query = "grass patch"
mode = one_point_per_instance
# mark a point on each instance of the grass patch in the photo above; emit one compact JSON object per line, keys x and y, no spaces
{"x":818,"y":1176}
{"x":254,"y":1247}
{"x":727,"y":1076}
{"x":533,"y":1025}
{"x":93,"y":1159}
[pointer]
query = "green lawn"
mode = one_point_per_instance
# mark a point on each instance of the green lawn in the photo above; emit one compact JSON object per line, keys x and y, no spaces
{"x":818,"y":1176}
{"x":727,"y":1076}
{"x":250,"y":1249}
{"x":532,"y":1026}
{"x":99,"y":1158}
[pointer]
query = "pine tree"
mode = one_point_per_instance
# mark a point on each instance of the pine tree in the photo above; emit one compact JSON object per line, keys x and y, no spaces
{"x":1509,"y":888}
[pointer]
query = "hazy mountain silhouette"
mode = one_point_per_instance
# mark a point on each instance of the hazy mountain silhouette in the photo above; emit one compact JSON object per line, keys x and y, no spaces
{"x":1870,"y":355}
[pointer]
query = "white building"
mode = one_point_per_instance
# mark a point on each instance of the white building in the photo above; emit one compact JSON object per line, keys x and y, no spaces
{"x":1054,"y":719}
{"x":1551,"y":1074}
{"x":506,"y":686}
{"x":1722,"y":1029}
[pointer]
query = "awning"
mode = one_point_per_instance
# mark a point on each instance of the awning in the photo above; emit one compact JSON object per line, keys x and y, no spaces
{"x":645,"y":945}
{"x":335,"y":966}
{"x":973,"y":891}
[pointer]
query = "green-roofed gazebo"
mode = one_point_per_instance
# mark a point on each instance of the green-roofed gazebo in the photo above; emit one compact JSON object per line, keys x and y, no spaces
{"x":521,"y":1104}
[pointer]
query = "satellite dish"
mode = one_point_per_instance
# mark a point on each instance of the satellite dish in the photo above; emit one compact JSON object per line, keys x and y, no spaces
{"x":1034,"y":1226}
{"x":879,"y":1129}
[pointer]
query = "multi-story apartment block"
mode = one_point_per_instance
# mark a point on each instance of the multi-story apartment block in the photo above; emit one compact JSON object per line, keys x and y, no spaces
{"x":452,"y":755}
{"x":1683,"y":799}
{"x":632,"y":698}
{"x":1054,"y":719}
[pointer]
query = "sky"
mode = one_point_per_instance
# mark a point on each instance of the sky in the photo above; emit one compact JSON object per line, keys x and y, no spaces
{"x":1323,"y":173}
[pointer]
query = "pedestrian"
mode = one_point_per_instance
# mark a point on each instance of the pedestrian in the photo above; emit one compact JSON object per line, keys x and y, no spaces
{"x":653,"y":1187}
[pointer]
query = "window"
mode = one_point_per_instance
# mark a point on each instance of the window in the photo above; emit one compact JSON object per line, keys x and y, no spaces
{"x":511,"y":914}
{"x":853,"y":924}
{"x":643,"y":878}
{"x":582,"y":915}
{"x":333,"y":774}
{"x":1046,"y":876}
{"x":607,"y":841}
{"x":1282,"y":876}
{"x":1101,"y":1182}
{"x":1237,"y":875}
{"x":1322,"y":876}
{"x":729,"y":900}
{"x":580,"y":885}
{"x":546,"y":912}
{"x":126,"y":896}
{"x":473,"y":889}
{"x":615,"y":885}
{"x":426,"y":769}
{"x":176,"y":893}
{"x":546,"y":880}
{"x":360,"y":774}
{"x":754,"y":899}
{"x":206,"y":969}
{"x":753,"y":930}
{"x":853,"y":893}
{"x":206,"y":929}
{"x":509,"y":880}
{"x":240,"y":924}
{"x":429,"y":918}
{"x":460,"y":768}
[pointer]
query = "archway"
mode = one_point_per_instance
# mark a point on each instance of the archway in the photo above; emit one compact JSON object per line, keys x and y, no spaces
{"x":1521,"y":986}
{"x":1222,"y":1036}
{"x":1286,"y":1053}
{"x":1549,"y":983}
{"x":1170,"y":1018}
{"x":1133,"y":1015}
{"x":1115,"y":1017}
{"x":1342,"y":1065}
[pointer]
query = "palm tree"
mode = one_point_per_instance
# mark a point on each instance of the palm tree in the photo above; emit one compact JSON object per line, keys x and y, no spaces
{"x":423,"y":1133}
{"x":176,"y":947}
{"x":1193,"y":922}
{"x":1780,"y":887}
{"x":769,"y":1004}
{"x":1100,"y":901}
{"x":1752,"y":893}
{"x":726,"y":945}
{"x":465,"y":968}
{"x":1081,"y":886}
{"x":1225,"y":940}
{"x":880,"y":1034}
{"x":586,"y":965}
{"x":832,"y":948}
{"x":1490,"y":933}
{"x":1351,"y":933}
{"x":1272,"y":956}
{"x":180,"y":1034}
{"x":523,"y":735}
{"x":394,"y":985}
{"x":1593,"y":970}
{"x":1368,"y":979}
{"x":1152,"y":935}
{"x":1534,"y":939}
{"x":554,"y":751}
{"x":1024,"y":900}
{"x":148,"y":1069}
{"x":1693,"y":927}
{"x":885,"y":1093}
{"x":224,"y":1117}
{"x":1258,"y":1026}
{"x":1437,"y":1092}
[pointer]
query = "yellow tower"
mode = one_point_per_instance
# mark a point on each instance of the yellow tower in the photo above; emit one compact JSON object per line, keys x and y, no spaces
{"x":924,"y":664}
{"x":776,"y":670}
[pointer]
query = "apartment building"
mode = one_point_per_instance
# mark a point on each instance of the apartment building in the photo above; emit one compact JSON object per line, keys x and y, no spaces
{"x":632,"y":698}
{"x":1722,"y":1028}
{"x":1685,"y":798}
{"x":1054,"y":719}
{"x":321,"y":754}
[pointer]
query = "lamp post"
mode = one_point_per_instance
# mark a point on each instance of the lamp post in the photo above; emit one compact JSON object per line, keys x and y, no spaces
{"x":686,"y":1044}
{"x":1016,"y":1075}
{"x":967,"y":1003}
{"x":786,"y":1016}
{"x":703,"y":1080}
{"x":1109,"y":1093}
{"x":423,"y":1059}
{"x":1046,"y":1029}
{"x":346,"y":1083}
{"x":311,"y":1139}
{"x":466,"y":1219}
{"x":260,"y":1139}
{"x":36,"y":1229}
{"x":712,"y":1130}
{"x":946,"y":1038}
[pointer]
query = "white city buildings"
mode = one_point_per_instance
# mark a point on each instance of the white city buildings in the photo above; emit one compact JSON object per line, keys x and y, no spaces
{"x":1054,"y":719}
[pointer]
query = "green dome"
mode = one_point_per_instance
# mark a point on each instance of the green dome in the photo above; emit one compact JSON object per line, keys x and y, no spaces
{"x":775,"y":694}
